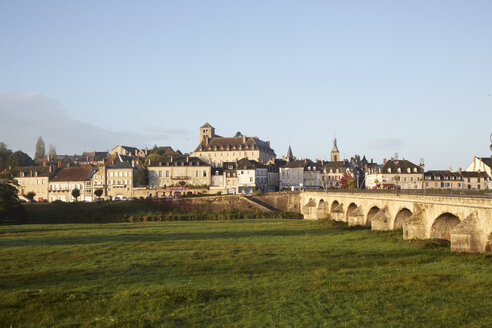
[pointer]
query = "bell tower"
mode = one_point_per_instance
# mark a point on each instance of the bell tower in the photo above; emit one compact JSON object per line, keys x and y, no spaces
{"x":206,"y":132}
{"x":335,"y":154}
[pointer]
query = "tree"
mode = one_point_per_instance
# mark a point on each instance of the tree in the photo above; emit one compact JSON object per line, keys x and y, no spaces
{"x":98,"y":193}
{"x":4,"y":155}
{"x":75,"y":194}
{"x":52,"y":152}
{"x":19,"y":159}
{"x":182,"y":183}
{"x":40,"y":149}
{"x":347,"y":181}
{"x":10,"y":206}
{"x":143,"y":176}
{"x":30,"y":195}
{"x":238,"y":134}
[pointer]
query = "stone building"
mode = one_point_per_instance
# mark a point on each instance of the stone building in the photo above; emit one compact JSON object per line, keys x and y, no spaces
{"x":482,"y":164}
{"x":440,"y":179}
{"x":252,"y":176}
{"x":121,"y":179}
{"x":291,"y":175}
{"x":217,"y":150}
{"x":33,"y":179}
{"x":130,"y":151}
{"x":475,"y":180}
{"x":332,"y":172}
{"x":178,"y":171}
{"x":393,"y":173}
{"x":312,"y":175}
{"x":67,"y":179}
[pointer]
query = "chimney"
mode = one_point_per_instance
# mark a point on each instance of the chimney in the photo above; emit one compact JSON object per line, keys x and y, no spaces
{"x":392,"y":158}
{"x":87,"y":158}
{"x":171,"y":158}
{"x":187,"y":158}
{"x":384,"y":161}
{"x":244,"y":139}
{"x":372,"y":161}
{"x":149,"y":161}
{"x":136,"y":152}
{"x":268,"y":143}
{"x":459,"y":170}
{"x":44,"y":162}
{"x":450,"y":169}
{"x":59,"y":163}
{"x":50,"y":169}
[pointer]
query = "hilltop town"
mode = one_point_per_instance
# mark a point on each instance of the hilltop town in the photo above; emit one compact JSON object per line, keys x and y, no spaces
{"x":222,"y":165}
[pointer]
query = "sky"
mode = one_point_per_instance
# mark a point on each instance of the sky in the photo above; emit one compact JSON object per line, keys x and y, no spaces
{"x":384,"y":77}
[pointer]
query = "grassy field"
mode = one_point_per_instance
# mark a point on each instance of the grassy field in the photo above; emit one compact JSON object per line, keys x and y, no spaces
{"x":244,"y":273}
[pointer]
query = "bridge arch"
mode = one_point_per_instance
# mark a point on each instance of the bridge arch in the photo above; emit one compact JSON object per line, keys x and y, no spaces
{"x":402,"y":215}
{"x":351,"y":210}
{"x":334,"y":206}
{"x":441,"y":228}
{"x":371,"y":214}
{"x":322,"y":204}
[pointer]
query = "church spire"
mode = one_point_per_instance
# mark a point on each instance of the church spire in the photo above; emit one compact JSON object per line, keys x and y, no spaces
{"x":290,"y":157}
{"x":335,"y":154}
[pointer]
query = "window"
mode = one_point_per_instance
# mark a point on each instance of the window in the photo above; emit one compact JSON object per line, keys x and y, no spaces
{"x":160,"y":174}
{"x":204,"y":174}
{"x":167,"y":174}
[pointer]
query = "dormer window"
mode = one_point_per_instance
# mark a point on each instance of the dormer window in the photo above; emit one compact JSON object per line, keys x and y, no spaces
{"x":399,"y":170}
{"x":408,"y":170}
{"x":415,"y":169}
{"x":389,"y":170}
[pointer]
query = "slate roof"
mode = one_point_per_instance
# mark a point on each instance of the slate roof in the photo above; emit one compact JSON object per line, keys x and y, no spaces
{"x":234,"y":143}
{"x":487,"y":161}
{"x":177,"y":160}
{"x":120,"y":165}
{"x":335,"y":165}
{"x":403,"y":164}
{"x":296,"y":164}
{"x":248,"y":164}
{"x":73,"y":174}
{"x":443,"y":175}
{"x":42,"y":171}
{"x":466,"y":174}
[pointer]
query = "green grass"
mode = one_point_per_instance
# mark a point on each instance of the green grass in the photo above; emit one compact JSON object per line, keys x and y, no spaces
{"x":240,"y":273}
{"x":131,"y":211}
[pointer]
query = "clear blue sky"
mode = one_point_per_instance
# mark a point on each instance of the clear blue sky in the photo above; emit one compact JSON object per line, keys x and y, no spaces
{"x":413,"y":77}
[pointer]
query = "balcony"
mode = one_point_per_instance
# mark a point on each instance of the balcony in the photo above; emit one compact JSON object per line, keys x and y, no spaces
{"x":180,"y":178}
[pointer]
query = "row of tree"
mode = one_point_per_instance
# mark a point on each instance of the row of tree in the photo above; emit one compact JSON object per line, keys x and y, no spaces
{"x":41,"y":150}
{"x":19,"y":158}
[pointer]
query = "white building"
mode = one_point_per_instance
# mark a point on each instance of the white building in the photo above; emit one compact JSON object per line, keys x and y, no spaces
{"x":252,"y":176}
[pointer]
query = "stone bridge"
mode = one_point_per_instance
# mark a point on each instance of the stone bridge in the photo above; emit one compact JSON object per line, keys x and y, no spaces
{"x":465,"y":221}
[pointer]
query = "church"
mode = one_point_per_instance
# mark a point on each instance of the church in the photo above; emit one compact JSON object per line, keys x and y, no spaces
{"x":217,"y":150}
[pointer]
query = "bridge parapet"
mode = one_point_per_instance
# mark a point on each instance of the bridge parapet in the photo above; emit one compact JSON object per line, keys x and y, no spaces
{"x":465,"y":221}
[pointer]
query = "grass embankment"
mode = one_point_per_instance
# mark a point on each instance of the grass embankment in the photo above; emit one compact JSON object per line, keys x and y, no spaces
{"x":132,"y":211}
{"x":235,"y":273}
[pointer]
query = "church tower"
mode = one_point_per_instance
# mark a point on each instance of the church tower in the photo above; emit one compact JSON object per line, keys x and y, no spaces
{"x":207,"y":132}
{"x":335,"y":154}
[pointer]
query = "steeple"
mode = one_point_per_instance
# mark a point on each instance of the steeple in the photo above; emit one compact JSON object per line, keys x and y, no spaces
{"x":335,"y":154}
{"x":290,"y":157}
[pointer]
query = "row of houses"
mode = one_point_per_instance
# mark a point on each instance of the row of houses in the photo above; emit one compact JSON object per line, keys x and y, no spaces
{"x":228,"y":165}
